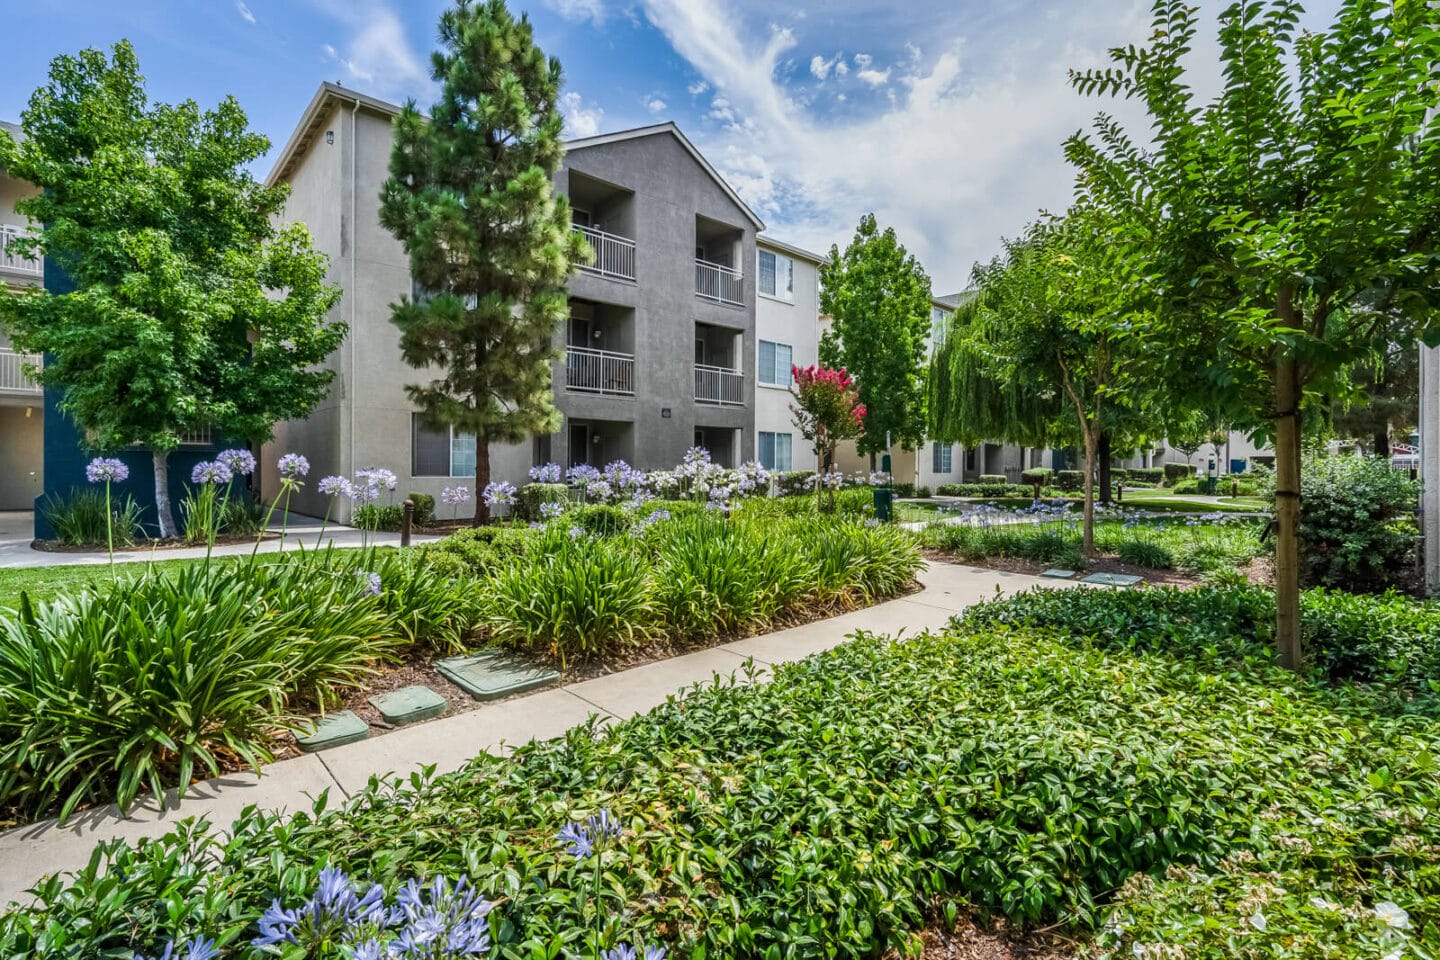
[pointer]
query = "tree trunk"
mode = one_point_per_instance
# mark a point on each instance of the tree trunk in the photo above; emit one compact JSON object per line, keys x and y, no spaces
{"x":1382,"y":444}
{"x":482,"y":480}
{"x":1087,"y":543}
{"x":1104,"y":455}
{"x":1287,"y":513}
{"x":164,"y":516}
{"x":872,"y":461}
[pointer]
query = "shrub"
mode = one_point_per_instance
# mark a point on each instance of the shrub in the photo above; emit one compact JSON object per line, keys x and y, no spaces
{"x":1148,"y":800}
{"x":1040,"y":475}
{"x":992,"y":479}
{"x":424,"y":508}
{"x":482,"y":550}
{"x":104,"y":695}
{"x":601,"y":519}
{"x":922,"y":493}
{"x":1190,"y":486}
{"x":244,"y":514}
{"x":78,"y":518}
{"x":529,"y":499}
{"x":379,"y":516}
{"x":1070,"y":480}
{"x":1358,"y":524}
{"x":1144,"y":553}
{"x":1145,"y":475}
{"x":576,"y":597}
{"x":794,"y":482}
{"x":1177,"y":471}
{"x":903,"y":489}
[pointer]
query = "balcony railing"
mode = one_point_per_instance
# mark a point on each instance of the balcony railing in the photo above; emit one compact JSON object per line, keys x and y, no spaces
{"x":614,"y":256}
{"x":714,"y":281}
{"x":10,"y":259}
{"x":720,"y":385}
{"x":12,"y":372}
{"x":600,"y":371}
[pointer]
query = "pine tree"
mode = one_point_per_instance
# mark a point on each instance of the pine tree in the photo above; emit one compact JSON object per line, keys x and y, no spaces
{"x":470,"y":197}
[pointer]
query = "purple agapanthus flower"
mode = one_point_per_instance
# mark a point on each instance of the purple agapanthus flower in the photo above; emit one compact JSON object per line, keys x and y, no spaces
{"x":333,"y":486}
{"x":241,"y":462}
{"x":334,"y":912}
{"x":581,"y":474}
{"x":378,"y":477}
{"x":198,"y":948}
{"x":363,"y":493}
{"x":372,"y":583}
{"x":455,"y":495}
{"x":550,"y":510}
{"x":441,"y":913}
{"x":583,"y":836}
{"x":621,"y":951}
{"x":211,"y":471}
{"x":106,"y":470}
{"x":293,"y":466}
{"x":499,"y":493}
{"x":546,"y":473}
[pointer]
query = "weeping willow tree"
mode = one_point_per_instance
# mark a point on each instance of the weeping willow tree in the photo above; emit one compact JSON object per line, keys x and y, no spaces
{"x":1049,"y":349}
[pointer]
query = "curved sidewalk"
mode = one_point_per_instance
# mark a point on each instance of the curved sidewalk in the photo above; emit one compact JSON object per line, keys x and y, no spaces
{"x":29,"y":853}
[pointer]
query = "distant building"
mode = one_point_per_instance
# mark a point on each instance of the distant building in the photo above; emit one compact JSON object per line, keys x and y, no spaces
{"x":22,"y":402}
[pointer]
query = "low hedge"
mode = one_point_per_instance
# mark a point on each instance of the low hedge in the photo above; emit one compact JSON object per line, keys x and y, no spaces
{"x":1145,"y":475}
{"x":985,"y":490}
{"x":530,"y":498}
{"x":867,"y":793}
{"x":1070,"y":480}
{"x":1178,"y":471}
{"x":990,"y":479}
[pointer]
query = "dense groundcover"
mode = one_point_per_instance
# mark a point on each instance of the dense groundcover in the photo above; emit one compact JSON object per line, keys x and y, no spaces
{"x":1162,"y":805}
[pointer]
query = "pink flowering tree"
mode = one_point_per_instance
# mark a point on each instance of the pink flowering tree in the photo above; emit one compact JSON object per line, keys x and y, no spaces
{"x":827,"y":410}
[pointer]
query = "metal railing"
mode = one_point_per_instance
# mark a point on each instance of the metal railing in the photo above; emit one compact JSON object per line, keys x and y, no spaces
{"x":12,"y":372}
{"x":714,"y":281}
{"x":614,"y":256}
{"x":10,"y":259}
{"x":600,"y":371}
{"x":720,"y":385}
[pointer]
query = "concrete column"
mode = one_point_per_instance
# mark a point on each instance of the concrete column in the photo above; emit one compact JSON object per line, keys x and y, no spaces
{"x":980,"y":461}
{"x":1430,"y":465}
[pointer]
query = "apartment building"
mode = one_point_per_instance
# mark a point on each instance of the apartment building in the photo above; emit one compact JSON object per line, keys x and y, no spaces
{"x":22,"y":402}
{"x":660,"y":352}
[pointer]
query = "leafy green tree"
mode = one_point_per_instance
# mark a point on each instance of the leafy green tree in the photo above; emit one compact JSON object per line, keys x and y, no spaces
{"x":1045,"y":354}
{"x":1268,"y":217}
{"x":827,"y":410}
{"x":1387,"y":397}
{"x":470,"y":197}
{"x":878,"y":298}
{"x":191,"y":309}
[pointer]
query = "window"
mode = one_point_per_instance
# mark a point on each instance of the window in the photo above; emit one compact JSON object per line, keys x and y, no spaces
{"x":939,"y":324}
{"x":775,"y":451}
{"x":776,"y":359}
{"x":942,"y":457}
{"x":969,"y":458}
{"x":777,"y":275}
{"x":440,"y":453}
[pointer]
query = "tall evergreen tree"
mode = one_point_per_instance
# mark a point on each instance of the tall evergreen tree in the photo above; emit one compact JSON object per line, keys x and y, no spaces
{"x":469,"y":195}
{"x":878,"y":298}
{"x":191,"y":309}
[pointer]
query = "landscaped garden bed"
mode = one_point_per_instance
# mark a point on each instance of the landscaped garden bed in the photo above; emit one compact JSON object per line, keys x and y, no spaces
{"x":1171,"y":795}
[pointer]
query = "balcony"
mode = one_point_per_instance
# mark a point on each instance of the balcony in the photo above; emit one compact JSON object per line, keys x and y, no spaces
{"x":599,"y":371}
{"x":13,"y":380}
{"x":614,"y":255}
{"x":715,"y":281}
{"x":719,"y":385}
{"x":12,"y":261}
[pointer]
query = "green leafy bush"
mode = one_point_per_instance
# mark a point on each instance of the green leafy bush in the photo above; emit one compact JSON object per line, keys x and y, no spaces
{"x":601,"y":519}
{"x":424,"y":508}
{"x":1041,"y":475}
{"x":106,"y":694}
{"x":78,"y":518}
{"x":1189,"y":486}
{"x":530,"y":497}
{"x":1070,"y":480}
{"x":836,"y":810}
{"x":922,"y":492}
{"x":1359,"y":528}
{"x":985,"y":490}
{"x":1175,"y":472}
{"x":380,"y":516}
{"x":1145,"y":475}
{"x":992,"y":479}
{"x":1145,"y":553}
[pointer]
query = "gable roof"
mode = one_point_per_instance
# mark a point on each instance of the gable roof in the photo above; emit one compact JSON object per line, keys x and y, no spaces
{"x":790,"y":248}
{"x":659,"y":129}
{"x":313,"y":118}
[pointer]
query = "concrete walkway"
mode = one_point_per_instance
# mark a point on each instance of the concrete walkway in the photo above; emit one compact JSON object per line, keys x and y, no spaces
{"x":16,"y":535}
{"x":29,"y":853}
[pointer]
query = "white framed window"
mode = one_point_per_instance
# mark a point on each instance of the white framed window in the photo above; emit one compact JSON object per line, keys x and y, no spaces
{"x":777,"y":275}
{"x":440,"y":453}
{"x":775,"y":450}
{"x":942,"y":457}
{"x":939,"y":326}
{"x":776,"y":359}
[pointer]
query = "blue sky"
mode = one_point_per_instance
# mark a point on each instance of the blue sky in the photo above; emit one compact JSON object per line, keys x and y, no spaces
{"x":945,"y":119}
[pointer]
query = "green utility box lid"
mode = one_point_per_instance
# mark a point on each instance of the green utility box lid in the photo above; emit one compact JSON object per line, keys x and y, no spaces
{"x":491,"y":674}
{"x":408,"y":705}
{"x":334,"y":730}
{"x":1055,"y":573}
{"x":1113,"y":579}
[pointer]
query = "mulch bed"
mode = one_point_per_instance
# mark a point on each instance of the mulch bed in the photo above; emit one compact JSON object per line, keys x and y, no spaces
{"x":992,"y":941}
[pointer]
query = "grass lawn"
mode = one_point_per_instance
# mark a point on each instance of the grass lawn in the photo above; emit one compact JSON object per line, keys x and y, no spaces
{"x":47,"y":583}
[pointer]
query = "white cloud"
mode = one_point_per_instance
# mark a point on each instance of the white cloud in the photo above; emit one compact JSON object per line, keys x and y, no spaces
{"x":697,"y":88}
{"x":580,"y":120}
{"x":244,"y":11}
{"x":841,"y":67}
{"x":720,"y":110}
{"x":820,"y":67}
{"x":863,"y":60}
{"x":875,"y":78}
{"x":656,"y":105}
{"x":377,"y":53}
{"x":579,"y":10}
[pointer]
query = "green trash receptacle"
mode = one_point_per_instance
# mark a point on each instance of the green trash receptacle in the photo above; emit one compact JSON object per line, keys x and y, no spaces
{"x":884,"y":504}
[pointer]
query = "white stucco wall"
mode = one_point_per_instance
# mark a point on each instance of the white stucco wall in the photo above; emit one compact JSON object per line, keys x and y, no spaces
{"x":793,"y":322}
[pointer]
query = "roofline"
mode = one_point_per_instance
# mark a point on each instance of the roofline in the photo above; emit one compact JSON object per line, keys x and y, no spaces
{"x":308,"y":126}
{"x":791,"y":249}
{"x":669,"y":127}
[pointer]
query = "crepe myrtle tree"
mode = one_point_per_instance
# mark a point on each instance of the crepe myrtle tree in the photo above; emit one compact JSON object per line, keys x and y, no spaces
{"x":190,"y":308}
{"x":470,"y":198}
{"x":1289,"y":222}
{"x":826,"y":408}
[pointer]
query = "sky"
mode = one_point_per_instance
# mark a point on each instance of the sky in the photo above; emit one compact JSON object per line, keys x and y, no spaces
{"x":945,"y":119}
